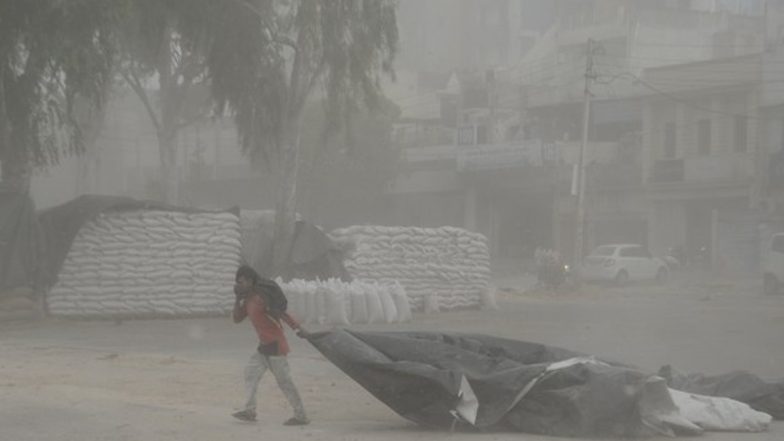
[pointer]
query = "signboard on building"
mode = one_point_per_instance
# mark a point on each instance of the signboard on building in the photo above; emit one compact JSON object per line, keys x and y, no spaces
{"x":466,"y":135}
{"x":776,"y":172}
{"x":503,"y":156}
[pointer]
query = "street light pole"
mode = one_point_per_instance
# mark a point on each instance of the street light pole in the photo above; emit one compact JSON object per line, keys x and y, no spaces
{"x":580,"y":218}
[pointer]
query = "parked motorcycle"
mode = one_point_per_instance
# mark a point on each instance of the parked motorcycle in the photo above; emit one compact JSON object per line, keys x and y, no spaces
{"x":675,"y":258}
{"x":554,"y":274}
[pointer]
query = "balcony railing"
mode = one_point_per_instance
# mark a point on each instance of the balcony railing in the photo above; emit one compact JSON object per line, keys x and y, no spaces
{"x":703,"y":169}
{"x":668,"y":170}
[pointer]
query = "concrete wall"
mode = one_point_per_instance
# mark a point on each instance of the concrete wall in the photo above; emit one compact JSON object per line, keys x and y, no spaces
{"x":666,"y":226}
{"x":738,"y":241}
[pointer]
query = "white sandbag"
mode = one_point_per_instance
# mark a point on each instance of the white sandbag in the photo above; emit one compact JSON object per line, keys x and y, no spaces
{"x":431,"y":304}
{"x":321,"y":305}
{"x":401,"y":303}
{"x":359,"y":309}
{"x":422,"y":260}
{"x":720,"y":414}
{"x":374,"y":308}
{"x":335,"y":307}
{"x":122,"y":260}
{"x":388,"y":304}
{"x":311,"y":311}
{"x":297,"y":303}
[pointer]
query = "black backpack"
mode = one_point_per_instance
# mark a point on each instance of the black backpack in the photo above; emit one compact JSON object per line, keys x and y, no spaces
{"x":275,"y":298}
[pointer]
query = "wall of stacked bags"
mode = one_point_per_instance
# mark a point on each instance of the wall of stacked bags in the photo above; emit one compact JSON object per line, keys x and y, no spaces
{"x":333,"y":302}
{"x":149,"y":264}
{"x":442,"y":268}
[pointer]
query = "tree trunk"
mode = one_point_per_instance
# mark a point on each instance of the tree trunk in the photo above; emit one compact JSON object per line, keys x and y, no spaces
{"x":170,"y":179}
{"x":15,"y":169}
{"x":16,"y":173}
{"x":286,"y":197}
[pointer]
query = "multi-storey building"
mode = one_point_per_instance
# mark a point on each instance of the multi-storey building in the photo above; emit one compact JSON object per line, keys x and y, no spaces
{"x":703,"y":158}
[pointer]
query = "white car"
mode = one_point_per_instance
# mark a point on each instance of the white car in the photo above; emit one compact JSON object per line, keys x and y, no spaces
{"x":773,"y":265}
{"x":621,"y":263}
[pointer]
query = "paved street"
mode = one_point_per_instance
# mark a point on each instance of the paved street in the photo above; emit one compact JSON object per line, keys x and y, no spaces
{"x":180,"y":379}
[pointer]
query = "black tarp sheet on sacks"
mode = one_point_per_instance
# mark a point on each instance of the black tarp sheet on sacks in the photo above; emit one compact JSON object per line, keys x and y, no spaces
{"x":514,"y":385}
{"x":60,"y":224}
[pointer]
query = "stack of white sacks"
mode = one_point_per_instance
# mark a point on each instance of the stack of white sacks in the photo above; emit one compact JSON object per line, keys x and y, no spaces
{"x":150,"y":264}
{"x":440,"y":268}
{"x":333,"y":302}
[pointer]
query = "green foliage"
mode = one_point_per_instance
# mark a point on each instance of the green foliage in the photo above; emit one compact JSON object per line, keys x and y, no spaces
{"x":274,"y":52}
{"x":53,"y":54}
{"x":262,"y":59}
{"x":166,"y":42}
{"x":248,"y":73}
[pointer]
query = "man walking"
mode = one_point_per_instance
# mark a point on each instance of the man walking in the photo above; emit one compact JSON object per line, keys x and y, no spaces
{"x":253,"y":300}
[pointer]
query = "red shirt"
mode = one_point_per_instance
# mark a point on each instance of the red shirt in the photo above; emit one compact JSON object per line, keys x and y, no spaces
{"x":268,"y":328}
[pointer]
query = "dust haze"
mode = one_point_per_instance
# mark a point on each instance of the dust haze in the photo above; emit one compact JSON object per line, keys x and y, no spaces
{"x":603,"y":176}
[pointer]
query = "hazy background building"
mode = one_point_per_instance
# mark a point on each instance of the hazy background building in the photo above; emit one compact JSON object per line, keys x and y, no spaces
{"x":486,"y":126}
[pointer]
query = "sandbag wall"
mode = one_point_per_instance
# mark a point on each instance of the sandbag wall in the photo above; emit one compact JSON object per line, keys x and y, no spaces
{"x":440,"y":268}
{"x":149,"y":264}
{"x":333,"y":302}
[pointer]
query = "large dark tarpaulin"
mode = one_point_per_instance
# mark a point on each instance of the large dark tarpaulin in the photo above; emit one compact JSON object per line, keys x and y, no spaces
{"x":60,"y":224}
{"x":432,"y":379}
{"x":20,"y":243}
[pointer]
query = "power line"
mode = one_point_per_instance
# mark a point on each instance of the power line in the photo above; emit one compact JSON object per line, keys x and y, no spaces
{"x":694,"y":59}
{"x":675,"y":98}
{"x":706,"y":46}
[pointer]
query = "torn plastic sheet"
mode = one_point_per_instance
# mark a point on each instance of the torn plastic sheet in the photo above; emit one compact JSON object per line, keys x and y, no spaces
{"x":720,"y":414}
{"x":488,"y":383}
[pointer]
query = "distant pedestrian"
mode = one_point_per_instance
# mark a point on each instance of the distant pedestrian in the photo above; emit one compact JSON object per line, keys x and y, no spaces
{"x":253,"y":300}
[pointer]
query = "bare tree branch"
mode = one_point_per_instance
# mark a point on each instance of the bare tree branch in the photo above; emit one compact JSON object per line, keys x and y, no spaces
{"x":133,"y":80}
{"x":274,"y":36}
{"x":322,"y":67}
{"x":193,"y":119}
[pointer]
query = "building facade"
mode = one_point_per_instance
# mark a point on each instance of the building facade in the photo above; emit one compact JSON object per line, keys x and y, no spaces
{"x":703,"y":159}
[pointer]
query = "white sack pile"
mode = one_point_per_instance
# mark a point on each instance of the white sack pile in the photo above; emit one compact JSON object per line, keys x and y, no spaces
{"x":335,"y":302}
{"x":150,"y":264}
{"x":440,"y":268}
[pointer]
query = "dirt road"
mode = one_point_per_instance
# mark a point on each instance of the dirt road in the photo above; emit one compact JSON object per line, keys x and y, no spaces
{"x":180,"y":379}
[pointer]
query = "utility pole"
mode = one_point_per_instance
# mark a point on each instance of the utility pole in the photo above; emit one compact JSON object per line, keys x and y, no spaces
{"x":762,"y":149}
{"x":580,"y":218}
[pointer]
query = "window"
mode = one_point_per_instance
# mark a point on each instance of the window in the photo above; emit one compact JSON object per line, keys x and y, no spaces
{"x":741,"y":133}
{"x":670,"y":143}
{"x":778,"y":244}
{"x":481,"y":134}
{"x":604,"y":251}
{"x":632,"y":252}
{"x":465,"y":135}
{"x":704,"y":137}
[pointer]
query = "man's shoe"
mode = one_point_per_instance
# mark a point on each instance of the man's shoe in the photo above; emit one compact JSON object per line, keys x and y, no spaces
{"x":245,"y":415}
{"x":294,"y":421}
